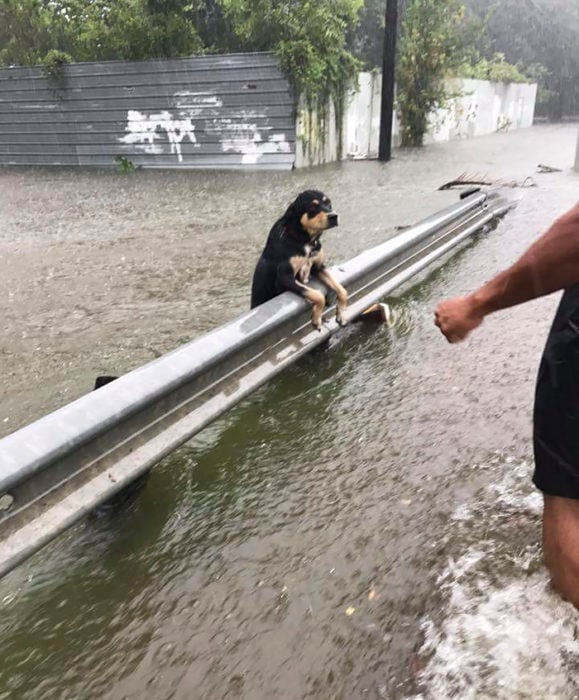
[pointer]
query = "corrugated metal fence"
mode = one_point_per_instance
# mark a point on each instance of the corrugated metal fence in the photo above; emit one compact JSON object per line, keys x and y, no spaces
{"x":229,"y":111}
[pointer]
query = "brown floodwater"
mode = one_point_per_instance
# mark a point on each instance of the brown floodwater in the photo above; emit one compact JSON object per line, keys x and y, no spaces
{"x":362,"y":527}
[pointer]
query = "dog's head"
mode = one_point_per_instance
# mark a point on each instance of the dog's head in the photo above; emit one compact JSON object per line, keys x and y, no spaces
{"x":312,"y":211}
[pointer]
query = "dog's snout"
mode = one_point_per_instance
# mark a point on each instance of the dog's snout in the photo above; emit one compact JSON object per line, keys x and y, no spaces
{"x":332,"y":220}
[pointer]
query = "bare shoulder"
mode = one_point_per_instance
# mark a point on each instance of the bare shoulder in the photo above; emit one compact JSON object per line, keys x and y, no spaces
{"x":575,"y":214}
{"x":572,"y":216}
{"x":568,"y":222}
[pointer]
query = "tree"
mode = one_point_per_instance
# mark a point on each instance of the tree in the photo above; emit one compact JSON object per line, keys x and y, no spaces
{"x":368,"y":39}
{"x":27,"y":32}
{"x":430,"y":48}
{"x":539,"y":37}
{"x":215,"y":27}
{"x":95,"y":30}
{"x":99,"y":30}
{"x":310,"y":38}
{"x":542,"y":38}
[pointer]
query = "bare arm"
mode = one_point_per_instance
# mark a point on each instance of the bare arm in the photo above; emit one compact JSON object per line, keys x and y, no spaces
{"x":550,"y":264}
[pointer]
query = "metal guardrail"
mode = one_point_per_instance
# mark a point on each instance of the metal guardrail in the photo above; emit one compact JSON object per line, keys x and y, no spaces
{"x":61,"y":467}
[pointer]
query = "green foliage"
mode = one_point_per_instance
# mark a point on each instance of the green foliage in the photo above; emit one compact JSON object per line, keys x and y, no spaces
{"x":430,"y":49}
{"x":496,"y":69}
{"x":541,"y":38}
{"x":26,"y":32}
{"x":310,"y":38}
{"x":368,"y":40}
{"x":130,"y":29}
{"x":124,"y":165}
{"x":539,"y":74}
{"x":96,"y":30}
{"x":321,"y":44}
{"x":214,"y":27}
{"x":53,"y":65}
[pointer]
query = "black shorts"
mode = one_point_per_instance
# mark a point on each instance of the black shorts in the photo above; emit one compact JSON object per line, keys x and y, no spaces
{"x":556,"y":415}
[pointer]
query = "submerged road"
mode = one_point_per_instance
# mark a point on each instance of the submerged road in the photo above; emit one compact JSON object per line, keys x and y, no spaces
{"x":364,"y":526}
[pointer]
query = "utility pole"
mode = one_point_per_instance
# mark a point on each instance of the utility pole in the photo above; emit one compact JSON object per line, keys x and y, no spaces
{"x":388,"y":78}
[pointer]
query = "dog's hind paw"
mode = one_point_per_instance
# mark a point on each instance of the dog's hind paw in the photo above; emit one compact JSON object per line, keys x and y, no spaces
{"x":317,"y":320}
{"x":317,"y":323}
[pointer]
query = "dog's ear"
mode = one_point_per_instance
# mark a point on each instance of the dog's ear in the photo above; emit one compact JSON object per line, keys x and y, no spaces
{"x":292,"y":213}
{"x":301,"y":205}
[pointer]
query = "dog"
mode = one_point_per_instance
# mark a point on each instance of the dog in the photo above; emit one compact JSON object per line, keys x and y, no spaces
{"x":293,"y":253}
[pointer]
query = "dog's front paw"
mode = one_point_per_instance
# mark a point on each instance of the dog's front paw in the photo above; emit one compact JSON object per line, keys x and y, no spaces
{"x":340,"y":318}
{"x":342,"y":296}
{"x":318,"y":302}
{"x":317,"y":318}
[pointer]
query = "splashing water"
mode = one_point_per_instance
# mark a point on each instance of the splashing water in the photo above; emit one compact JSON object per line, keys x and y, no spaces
{"x":503,"y":633}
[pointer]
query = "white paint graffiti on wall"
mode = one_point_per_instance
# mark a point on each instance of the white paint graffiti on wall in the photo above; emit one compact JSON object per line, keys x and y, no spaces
{"x":144,"y":130}
{"x":463,"y":119}
{"x":252,"y":150}
{"x":197,"y":102}
{"x":244,"y":138}
{"x":240,"y":135}
{"x":481,"y":108}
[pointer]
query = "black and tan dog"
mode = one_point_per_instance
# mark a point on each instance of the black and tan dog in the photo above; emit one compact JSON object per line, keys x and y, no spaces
{"x":294,"y":251}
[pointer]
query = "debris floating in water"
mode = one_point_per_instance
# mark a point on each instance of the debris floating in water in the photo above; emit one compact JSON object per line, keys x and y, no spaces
{"x":467,"y":179}
{"x":544,"y":169}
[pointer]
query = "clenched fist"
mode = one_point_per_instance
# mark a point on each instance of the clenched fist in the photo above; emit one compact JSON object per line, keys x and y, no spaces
{"x":456,"y":318}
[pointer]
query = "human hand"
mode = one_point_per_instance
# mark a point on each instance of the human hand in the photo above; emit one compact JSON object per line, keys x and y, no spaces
{"x":457,"y":317}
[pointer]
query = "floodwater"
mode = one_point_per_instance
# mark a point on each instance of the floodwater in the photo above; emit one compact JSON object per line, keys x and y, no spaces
{"x":362,"y":527}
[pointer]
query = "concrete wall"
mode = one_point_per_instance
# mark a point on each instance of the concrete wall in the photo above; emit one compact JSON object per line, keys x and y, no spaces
{"x":230,"y":111}
{"x":483,"y":108}
{"x":317,"y":138}
{"x":362,"y":121}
